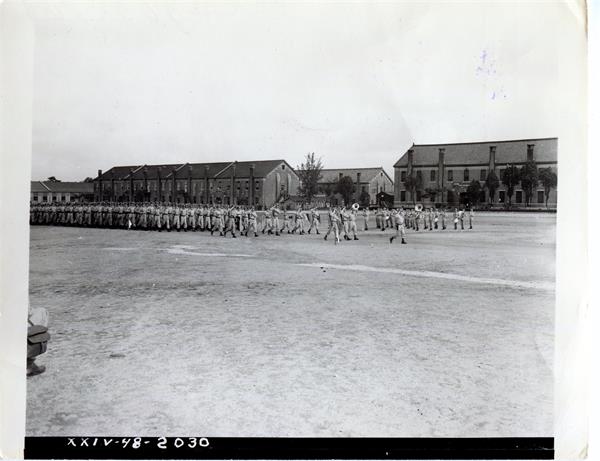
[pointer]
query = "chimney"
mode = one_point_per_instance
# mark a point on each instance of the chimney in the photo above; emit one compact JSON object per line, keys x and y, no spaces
{"x":492,"y":164}
{"x":189,"y":183}
{"x":206,"y":167}
{"x":112,"y":186}
{"x":130,"y":185}
{"x":441,"y":155}
{"x":173,"y":186}
{"x":159,"y":179}
{"x":233,"y":195}
{"x":410,"y":162}
{"x":145,"y":173}
{"x":530,"y":152}
{"x":99,"y":198}
{"x":251,"y":186}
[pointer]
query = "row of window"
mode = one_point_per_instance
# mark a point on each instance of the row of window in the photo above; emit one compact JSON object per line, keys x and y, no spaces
{"x":450,"y":174}
{"x":55,"y":197}
{"x":519,"y":196}
{"x":183,"y":185}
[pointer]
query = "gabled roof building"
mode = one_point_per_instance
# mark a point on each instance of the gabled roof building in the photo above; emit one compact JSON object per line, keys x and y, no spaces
{"x":59,"y":191}
{"x":366,"y":180}
{"x":261,"y":183}
{"x":445,"y":170}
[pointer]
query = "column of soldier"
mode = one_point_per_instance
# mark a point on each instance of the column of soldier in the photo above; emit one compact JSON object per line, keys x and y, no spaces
{"x":169,"y":217}
{"x":239,"y":219}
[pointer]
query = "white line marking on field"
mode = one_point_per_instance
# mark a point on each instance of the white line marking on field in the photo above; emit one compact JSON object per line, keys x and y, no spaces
{"x":119,"y":249}
{"x":178,"y":251}
{"x":439,"y":275}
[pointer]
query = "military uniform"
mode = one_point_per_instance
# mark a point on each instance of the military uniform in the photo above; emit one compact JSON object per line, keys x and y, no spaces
{"x":366,"y":218}
{"x":314,"y":220}
{"x":352,"y":223}
{"x":334,"y":222}
{"x":398,"y":219}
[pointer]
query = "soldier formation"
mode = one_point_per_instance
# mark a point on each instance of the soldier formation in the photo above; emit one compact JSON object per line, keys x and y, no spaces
{"x":242,"y":220}
{"x":224,"y":220}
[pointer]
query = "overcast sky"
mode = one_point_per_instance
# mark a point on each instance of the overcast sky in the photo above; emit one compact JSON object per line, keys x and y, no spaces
{"x":355,"y":83}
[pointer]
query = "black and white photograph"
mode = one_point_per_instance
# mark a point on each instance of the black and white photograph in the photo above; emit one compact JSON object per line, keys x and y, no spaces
{"x":296,"y":220}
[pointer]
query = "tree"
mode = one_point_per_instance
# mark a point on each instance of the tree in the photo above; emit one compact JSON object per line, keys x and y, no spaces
{"x":474,"y":192}
{"x":345,"y":187}
{"x":549,"y":181}
{"x":412,"y":183}
{"x":309,"y":174}
{"x":492,"y":183}
{"x":88,"y":179}
{"x":432,"y":192}
{"x":529,"y":180}
{"x":364,"y":199}
{"x":53,"y":179}
{"x":454,"y":191}
{"x":510,"y":178}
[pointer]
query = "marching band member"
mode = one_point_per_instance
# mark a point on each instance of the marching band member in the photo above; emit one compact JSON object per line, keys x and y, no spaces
{"x":252,"y":222}
{"x":352,"y":222}
{"x":315,"y":218}
{"x":398,"y":218}
{"x":334,"y":221}
{"x":268,"y":222}
{"x":365,"y":214}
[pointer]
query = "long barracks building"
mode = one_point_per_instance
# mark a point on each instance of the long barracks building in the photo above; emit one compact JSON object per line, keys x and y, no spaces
{"x":261,"y":183}
{"x":446,"y":170}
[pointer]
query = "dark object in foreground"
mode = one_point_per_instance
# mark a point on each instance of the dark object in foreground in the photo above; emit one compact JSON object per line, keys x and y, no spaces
{"x":131,"y":447}
{"x":37,"y":344}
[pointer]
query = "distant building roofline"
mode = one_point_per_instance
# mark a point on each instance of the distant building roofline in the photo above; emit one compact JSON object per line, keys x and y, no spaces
{"x":482,"y":142}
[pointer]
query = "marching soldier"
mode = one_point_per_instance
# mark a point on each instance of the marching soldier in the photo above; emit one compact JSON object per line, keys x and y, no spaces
{"x":334,"y":222}
{"x":252,"y":222}
{"x":275,"y":223}
{"x":398,"y":218}
{"x":352,"y":222}
{"x":299,"y":221}
{"x":268,"y":222}
{"x":315,"y":218}
{"x":230,"y":222}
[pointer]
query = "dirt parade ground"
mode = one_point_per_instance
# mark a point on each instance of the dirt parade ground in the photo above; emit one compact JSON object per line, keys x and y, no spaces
{"x":186,"y":334}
